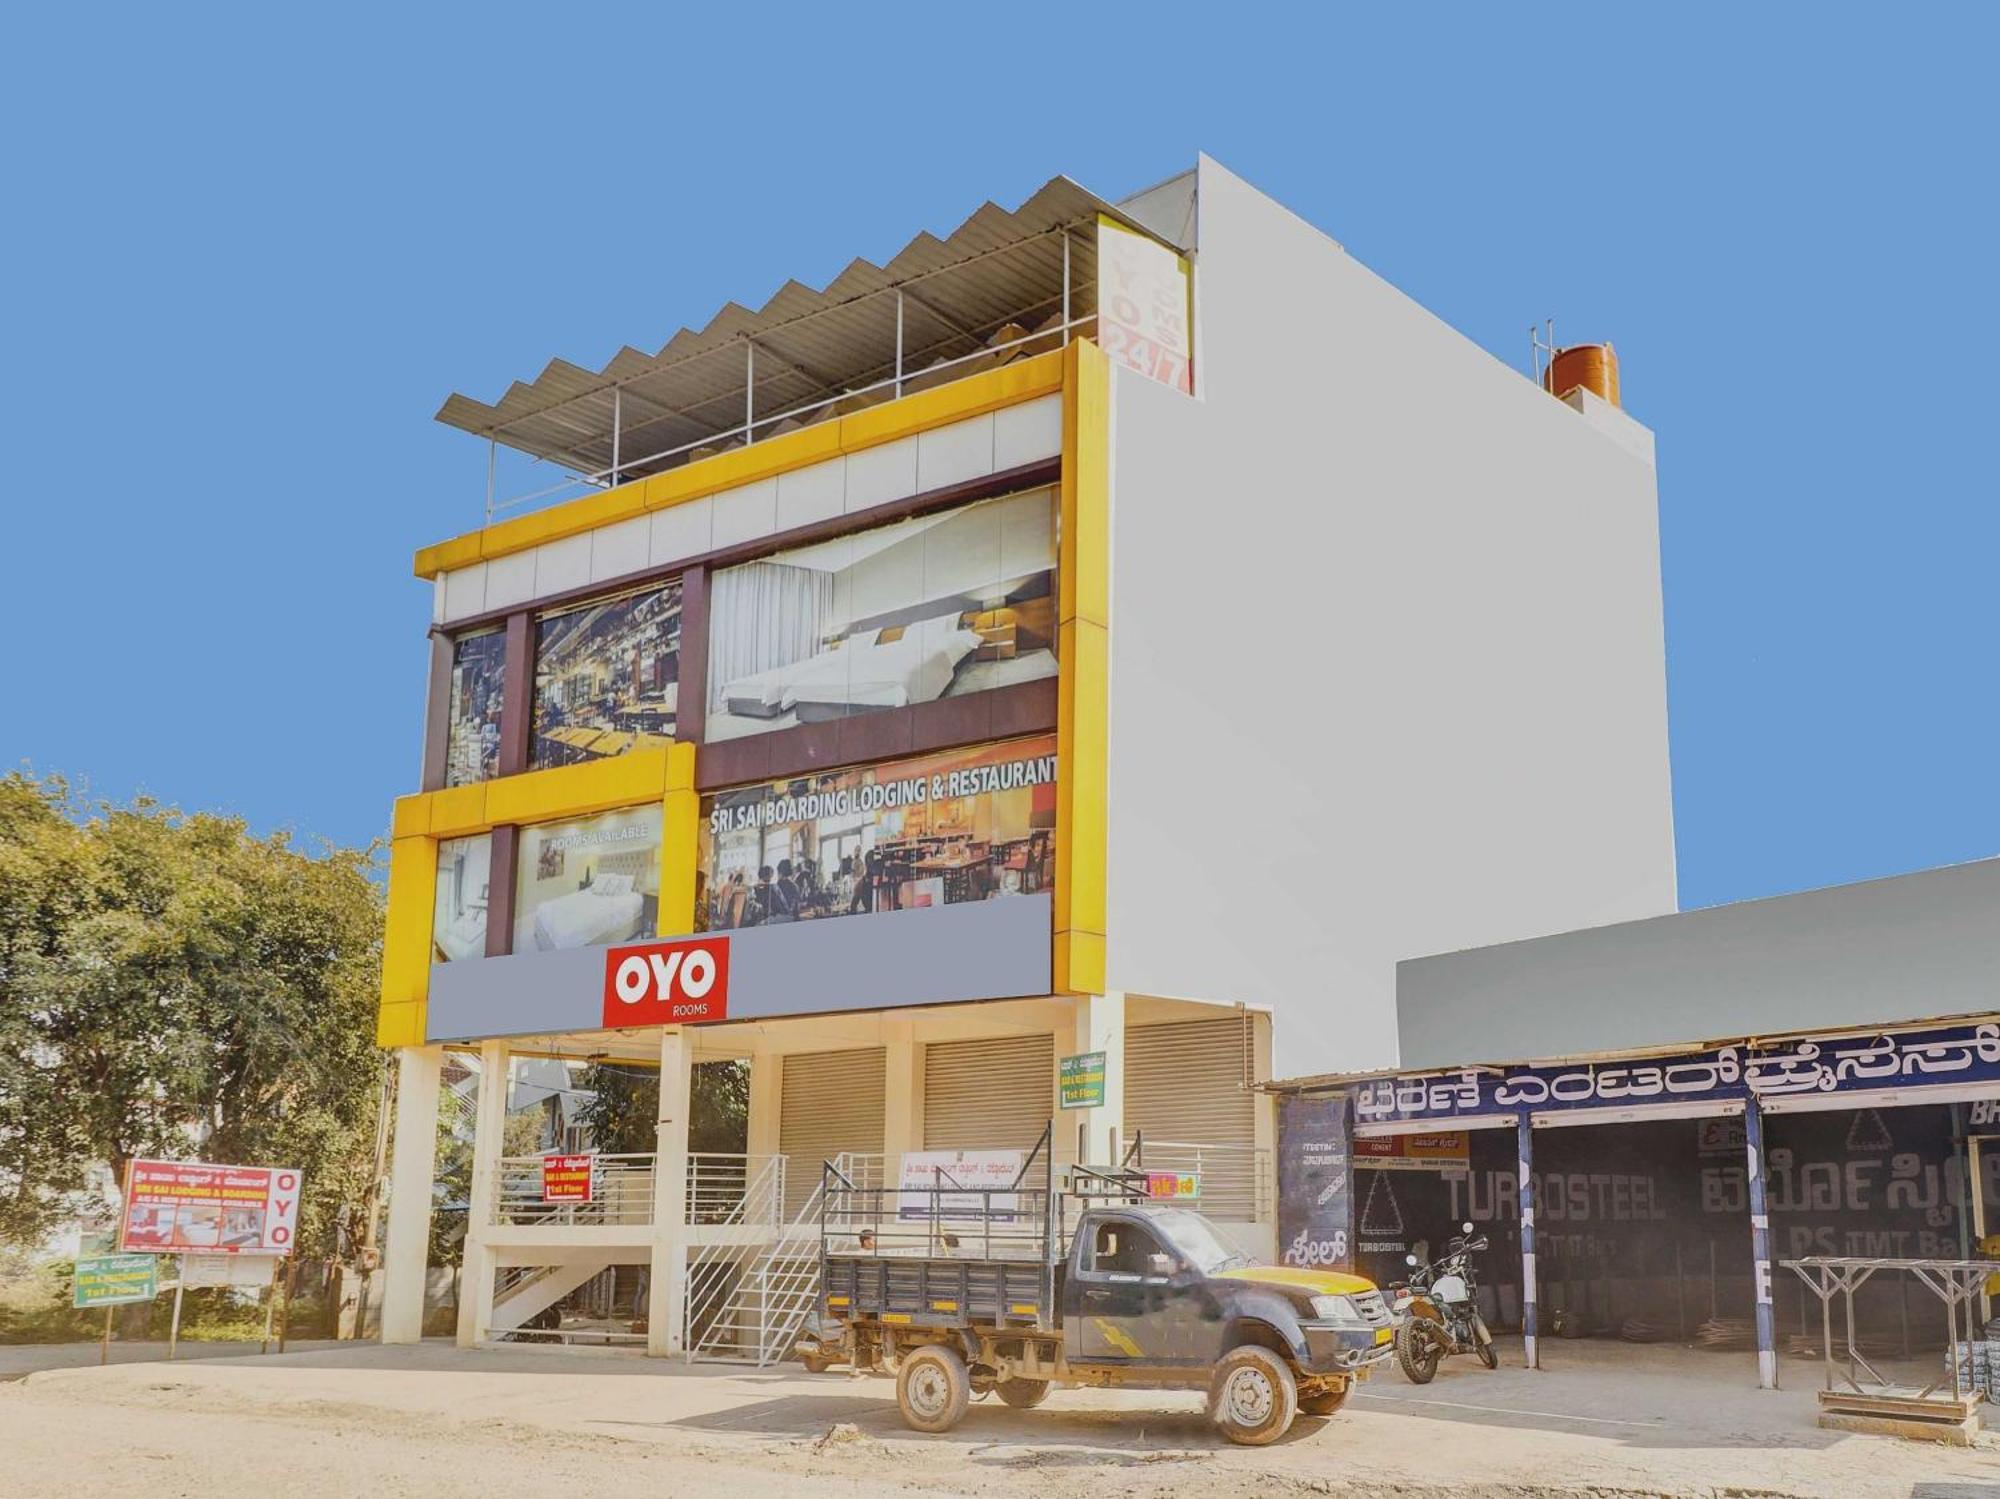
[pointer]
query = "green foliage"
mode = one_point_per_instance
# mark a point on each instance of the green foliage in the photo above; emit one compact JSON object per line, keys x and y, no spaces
{"x":624,"y":1109}
{"x":171,"y":985}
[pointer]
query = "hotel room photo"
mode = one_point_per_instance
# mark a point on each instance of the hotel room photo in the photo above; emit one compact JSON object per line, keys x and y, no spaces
{"x":458,"y":914}
{"x":937,"y":606}
{"x":929,"y":853}
{"x":607,"y":676}
{"x":472,"y":746}
{"x":588,"y":882}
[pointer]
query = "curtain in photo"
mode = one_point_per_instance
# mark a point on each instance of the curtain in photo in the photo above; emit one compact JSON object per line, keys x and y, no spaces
{"x":761,"y":615}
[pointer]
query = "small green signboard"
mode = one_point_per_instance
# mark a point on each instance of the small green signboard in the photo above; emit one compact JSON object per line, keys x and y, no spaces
{"x":1081,"y":1080}
{"x":114,"y":1279}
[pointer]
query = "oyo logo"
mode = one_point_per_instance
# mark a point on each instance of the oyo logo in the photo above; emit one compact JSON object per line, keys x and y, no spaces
{"x":667,"y":983}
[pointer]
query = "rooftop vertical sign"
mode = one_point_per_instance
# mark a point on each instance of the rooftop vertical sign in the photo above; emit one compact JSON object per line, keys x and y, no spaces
{"x":1145,"y":310}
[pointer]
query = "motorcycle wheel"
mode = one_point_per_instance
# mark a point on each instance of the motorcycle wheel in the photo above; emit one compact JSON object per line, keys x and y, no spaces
{"x":1416,"y":1352}
{"x":1487,"y":1356}
{"x":1482,"y":1344}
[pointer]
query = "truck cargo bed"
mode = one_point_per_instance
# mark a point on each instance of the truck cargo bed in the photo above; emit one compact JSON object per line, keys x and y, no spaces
{"x":944,"y":1292}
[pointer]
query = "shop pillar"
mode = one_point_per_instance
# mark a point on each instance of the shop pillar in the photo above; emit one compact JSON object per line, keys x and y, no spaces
{"x":489,"y":1132}
{"x":666,"y":1310}
{"x":1096,"y":1132}
{"x":902,"y":1092}
{"x":1531,"y":1345}
{"x":414,"y":1167}
{"x":1760,"y":1247}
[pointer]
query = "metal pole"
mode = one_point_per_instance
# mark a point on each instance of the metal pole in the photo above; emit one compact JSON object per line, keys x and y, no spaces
{"x":492,"y":456}
{"x":899,"y":342}
{"x":1065,"y":296}
{"x":1976,"y":1188}
{"x":104,"y":1352}
{"x":285,"y":1311}
{"x":1760,"y":1246}
{"x":270,"y":1314}
{"x":174,"y":1329}
{"x":617,"y":428}
{"x":749,"y":392}
{"x":1530,"y":1322}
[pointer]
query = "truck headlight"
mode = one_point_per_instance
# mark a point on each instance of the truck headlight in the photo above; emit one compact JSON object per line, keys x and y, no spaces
{"x":1338,"y":1310}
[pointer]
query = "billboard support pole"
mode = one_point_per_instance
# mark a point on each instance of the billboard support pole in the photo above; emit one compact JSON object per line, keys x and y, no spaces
{"x":1531,"y":1343}
{"x":104,"y":1351}
{"x":174,"y":1329}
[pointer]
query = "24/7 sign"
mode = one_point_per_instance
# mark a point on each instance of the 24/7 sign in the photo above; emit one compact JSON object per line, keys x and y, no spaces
{"x":667,"y":983}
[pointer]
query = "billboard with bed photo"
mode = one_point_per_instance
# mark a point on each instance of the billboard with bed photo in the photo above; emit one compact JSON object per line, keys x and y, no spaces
{"x":936,"y":606}
{"x":588,"y":881}
{"x":936,"y":830}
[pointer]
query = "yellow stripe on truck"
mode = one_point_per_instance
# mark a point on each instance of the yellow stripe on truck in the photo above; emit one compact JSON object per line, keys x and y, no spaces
{"x":1116,"y":1337}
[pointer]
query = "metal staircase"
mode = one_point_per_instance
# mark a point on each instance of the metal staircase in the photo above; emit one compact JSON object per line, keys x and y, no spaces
{"x":756,"y":1304}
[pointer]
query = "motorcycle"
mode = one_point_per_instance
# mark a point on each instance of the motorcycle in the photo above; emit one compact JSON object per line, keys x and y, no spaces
{"x":1437,"y":1313}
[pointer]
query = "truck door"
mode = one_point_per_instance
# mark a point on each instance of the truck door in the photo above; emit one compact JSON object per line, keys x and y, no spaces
{"x":1122,"y":1305}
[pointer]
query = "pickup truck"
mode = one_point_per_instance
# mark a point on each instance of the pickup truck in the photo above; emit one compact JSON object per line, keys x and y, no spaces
{"x":1142,"y":1295}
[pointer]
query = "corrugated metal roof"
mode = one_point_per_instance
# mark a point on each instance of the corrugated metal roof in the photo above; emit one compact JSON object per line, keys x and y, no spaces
{"x":997,"y":267}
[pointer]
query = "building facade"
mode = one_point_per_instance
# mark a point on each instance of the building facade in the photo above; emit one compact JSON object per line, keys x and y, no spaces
{"x":1095,"y":644}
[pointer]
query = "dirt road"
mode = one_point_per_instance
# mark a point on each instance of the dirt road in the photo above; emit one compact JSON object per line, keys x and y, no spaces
{"x":436,"y":1423}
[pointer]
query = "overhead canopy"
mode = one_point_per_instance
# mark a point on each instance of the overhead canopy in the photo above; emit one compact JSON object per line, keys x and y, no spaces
{"x":957,"y":293}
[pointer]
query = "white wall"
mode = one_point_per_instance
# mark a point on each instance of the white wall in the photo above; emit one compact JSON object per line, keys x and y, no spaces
{"x":1387,"y":656}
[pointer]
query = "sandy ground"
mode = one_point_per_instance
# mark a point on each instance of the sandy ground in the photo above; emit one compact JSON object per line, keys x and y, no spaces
{"x":1608,"y":1421}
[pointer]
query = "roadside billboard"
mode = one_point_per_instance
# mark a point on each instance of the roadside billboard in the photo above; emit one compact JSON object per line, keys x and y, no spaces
{"x":176,"y":1206}
{"x":115,"y":1279}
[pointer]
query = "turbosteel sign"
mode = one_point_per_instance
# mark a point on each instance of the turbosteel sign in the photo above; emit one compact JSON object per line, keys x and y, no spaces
{"x":1941,"y":1055}
{"x":667,"y":983}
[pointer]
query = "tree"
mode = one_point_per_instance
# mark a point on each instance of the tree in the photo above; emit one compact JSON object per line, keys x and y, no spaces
{"x":623,"y":1108}
{"x":171,"y":985}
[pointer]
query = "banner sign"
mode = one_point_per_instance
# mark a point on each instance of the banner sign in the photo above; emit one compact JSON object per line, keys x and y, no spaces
{"x":569,"y":1178}
{"x":1449,"y":1150}
{"x":1315,"y":1182}
{"x":171,"y":1206}
{"x":1080,"y":1080}
{"x":926,"y":1178}
{"x":667,"y":983}
{"x":246,"y":1272}
{"x":1173,"y":1186}
{"x":1143,"y":306}
{"x":115,"y":1279}
{"x":1954,"y":1054}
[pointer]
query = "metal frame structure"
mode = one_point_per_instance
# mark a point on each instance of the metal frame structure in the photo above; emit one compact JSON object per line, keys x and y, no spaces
{"x":1957,"y":1283}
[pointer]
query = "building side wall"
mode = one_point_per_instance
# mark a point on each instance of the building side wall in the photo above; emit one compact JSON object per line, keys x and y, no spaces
{"x":1916,"y":947}
{"x":1387,"y":663}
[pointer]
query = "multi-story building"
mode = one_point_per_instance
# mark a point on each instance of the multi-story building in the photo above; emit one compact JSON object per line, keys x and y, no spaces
{"x":1114,"y":631}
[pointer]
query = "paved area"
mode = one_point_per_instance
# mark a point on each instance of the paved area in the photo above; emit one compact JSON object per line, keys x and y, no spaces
{"x":1607,"y":1420}
{"x":18,"y":1361}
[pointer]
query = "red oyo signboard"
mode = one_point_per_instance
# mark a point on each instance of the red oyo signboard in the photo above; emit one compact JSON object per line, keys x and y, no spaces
{"x":667,"y":983}
{"x":568,"y":1178}
{"x":172,"y":1207}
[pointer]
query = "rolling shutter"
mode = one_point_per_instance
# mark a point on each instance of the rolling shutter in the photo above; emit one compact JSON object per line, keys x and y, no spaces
{"x":988,"y":1095}
{"x":1184,"y":1087}
{"x":830,"y":1102}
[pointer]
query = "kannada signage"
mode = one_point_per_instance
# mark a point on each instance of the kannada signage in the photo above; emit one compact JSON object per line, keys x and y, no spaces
{"x":1780,"y":1074}
{"x":1080,"y":1080}
{"x":1143,"y":306}
{"x":983,"y":1177}
{"x":569,"y":1178}
{"x":667,"y":983}
{"x":1173,"y":1186}
{"x":115,"y":1279}
{"x":1446,"y":1150}
{"x":1315,"y":1182}
{"x":175,"y":1206}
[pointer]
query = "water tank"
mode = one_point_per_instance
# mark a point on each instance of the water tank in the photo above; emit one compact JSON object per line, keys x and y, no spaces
{"x":1593,"y":366}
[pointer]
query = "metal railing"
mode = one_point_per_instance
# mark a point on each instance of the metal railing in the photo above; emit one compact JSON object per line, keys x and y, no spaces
{"x":733,"y":1188}
{"x":901,"y":382}
{"x":1236,"y":1180}
{"x":621,"y":1194}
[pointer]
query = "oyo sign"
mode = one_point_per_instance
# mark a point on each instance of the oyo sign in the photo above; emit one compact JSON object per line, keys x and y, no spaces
{"x":667,"y":983}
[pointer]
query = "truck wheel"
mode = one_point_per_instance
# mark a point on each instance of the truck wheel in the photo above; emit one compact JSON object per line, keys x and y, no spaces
{"x":1416,"y":1352}
{"x":1327,"y":1399}
{"x":933,"y":1389}
{"x":1253,"y":1396}
{"x":1023,"y":1394}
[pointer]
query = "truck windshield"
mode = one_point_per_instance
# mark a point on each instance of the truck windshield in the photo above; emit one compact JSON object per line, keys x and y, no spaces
{"x":1198,"y":1239}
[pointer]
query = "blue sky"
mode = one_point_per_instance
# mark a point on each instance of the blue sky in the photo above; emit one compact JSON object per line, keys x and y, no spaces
{"x":248,"y":253}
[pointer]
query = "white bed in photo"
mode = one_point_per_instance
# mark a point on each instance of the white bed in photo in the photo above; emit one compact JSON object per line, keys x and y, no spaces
{"x":607,"y":910}
{"x":864,"y":672}
{"x":463,"y":938}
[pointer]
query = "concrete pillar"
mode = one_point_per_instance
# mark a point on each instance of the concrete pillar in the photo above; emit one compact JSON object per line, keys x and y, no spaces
{"x":1098,"y":1133}
{"x":1264,"y":1124}
{"x":1760,"y":1247}
{"x":1531,"y":1343}
{"x":489,"y":1133}
{"x":412,"y":1170}
{"x":666,"y":1310}
{"x":767,"y":1091}
{"x":902,"y":1092}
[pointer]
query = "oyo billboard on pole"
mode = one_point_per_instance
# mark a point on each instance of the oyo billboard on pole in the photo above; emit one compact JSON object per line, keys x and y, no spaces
{"x":178,"y":1206}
